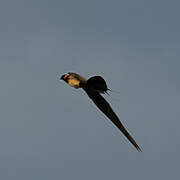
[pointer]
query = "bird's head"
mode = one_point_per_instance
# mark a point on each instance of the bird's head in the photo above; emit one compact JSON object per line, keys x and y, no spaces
{"x":73,"y":79}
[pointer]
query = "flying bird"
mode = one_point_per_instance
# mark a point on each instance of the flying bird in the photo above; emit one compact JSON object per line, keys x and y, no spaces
{"x":94,"y":87}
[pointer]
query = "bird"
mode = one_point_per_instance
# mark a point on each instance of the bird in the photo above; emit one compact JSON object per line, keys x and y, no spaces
{"x":94,"y":87}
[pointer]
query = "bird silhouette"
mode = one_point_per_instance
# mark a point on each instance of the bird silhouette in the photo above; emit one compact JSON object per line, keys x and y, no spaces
{"x":94,"y":87}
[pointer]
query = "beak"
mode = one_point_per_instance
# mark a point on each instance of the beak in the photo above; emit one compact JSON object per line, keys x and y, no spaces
{"x":62,"y":77}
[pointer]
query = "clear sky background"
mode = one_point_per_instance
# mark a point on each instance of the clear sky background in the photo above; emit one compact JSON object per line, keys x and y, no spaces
{"x":49,"y":130}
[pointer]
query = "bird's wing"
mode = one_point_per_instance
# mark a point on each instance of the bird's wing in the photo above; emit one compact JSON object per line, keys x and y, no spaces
{"x":104,"y":106}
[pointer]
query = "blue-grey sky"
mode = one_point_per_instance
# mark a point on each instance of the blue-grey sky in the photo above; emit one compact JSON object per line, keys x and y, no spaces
{"x":49,"y":130}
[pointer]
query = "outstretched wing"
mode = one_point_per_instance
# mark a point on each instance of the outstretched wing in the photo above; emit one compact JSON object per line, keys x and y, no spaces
{"x":104,"y":106}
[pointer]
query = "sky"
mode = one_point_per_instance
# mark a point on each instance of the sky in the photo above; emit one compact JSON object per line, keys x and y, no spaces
{"x":49,"y":130}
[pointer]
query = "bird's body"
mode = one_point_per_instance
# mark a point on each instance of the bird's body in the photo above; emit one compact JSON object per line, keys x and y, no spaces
{"x":93,"y":87}
{"x":97,"y":83}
